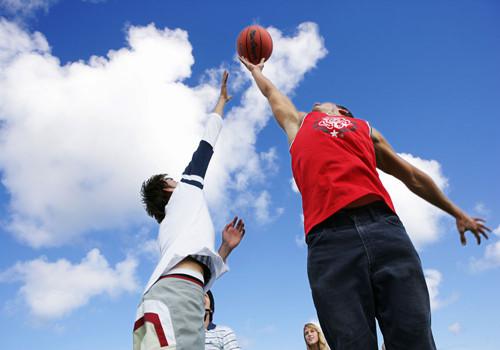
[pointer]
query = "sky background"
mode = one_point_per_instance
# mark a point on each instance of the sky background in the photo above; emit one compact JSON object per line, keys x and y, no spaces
{"x":95,"y":96}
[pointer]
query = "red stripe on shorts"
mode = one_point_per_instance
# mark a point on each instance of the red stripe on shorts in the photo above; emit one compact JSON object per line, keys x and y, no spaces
{"x":155,"y":320}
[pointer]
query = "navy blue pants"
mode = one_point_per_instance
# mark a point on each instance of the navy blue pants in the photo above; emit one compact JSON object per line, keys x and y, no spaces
{"x":361,"y":266}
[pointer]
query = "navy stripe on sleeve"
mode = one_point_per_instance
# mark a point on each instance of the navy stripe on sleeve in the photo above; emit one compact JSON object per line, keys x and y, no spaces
{"x":193,"y":182}
{"x":197,"y":167}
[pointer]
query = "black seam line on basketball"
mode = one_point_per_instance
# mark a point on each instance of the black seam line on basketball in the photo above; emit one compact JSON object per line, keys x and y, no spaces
{"x":253,"y":44}
{"x":246,"y":46}
{"x":260,"y":55}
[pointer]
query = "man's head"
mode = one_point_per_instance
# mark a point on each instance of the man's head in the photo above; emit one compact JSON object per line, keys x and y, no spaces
{"x":209,"y":308}
{"x":155,"y":193}
{"x":332,"y":109}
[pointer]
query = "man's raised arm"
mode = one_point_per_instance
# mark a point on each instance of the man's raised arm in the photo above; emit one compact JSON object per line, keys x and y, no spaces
{"x":283,"y":109}
{"x":423,"y":186}
{"x":194,"y":174}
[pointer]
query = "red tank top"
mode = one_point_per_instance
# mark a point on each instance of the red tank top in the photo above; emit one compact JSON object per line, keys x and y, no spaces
{"x":333,"y":163}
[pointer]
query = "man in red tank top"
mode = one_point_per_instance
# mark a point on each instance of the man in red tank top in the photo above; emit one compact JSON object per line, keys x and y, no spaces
{"x":361,"y":263}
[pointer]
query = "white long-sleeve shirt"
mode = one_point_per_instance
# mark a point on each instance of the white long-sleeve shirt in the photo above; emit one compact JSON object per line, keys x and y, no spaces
{"x":187,"y":228}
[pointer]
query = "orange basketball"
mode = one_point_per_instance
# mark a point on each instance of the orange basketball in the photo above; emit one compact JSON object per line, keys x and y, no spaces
{"x":254,"y":43}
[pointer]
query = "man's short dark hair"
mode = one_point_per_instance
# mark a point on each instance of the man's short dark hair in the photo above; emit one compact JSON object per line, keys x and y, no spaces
{"x":154,"y":197}
{"x":345,"y":111}
{"x":212,"y":304}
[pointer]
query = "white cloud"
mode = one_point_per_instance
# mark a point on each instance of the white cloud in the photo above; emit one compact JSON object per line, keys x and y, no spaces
{"x":421,"y":219}
{"x":293,"y":184}
{"x":54,"y":289}
{"x":269,"y":159}
{"x":300,"y":241}
{"x":481,"y":209}
{"x":262,"y":206}
{"x":26,"y":7}
{"x":77,"y":140}
{"x":455,"y":328}
{"x":490,"y":259}
{"x":433,"y":279}
{"x":15,"y":41}
{"x":497,"y":231}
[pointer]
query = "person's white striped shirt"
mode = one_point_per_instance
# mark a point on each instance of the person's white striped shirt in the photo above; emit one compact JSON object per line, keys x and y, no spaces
{"x":220,"y":338}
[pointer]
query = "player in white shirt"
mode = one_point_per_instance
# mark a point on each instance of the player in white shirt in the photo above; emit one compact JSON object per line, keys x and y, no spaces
{"x":170,"y":315}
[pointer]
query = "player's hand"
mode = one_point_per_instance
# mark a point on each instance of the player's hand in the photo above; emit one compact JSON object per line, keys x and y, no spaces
{"x":250,"y":66}
{"x":474,"y":225}
{"x":233,"y":233}
{"x":224,"y":97}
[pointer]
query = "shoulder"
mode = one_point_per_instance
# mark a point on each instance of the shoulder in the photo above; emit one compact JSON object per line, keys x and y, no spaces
{"x":223,"y":329}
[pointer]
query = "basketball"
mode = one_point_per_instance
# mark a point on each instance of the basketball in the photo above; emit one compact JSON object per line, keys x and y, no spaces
{"x":254,"y":43}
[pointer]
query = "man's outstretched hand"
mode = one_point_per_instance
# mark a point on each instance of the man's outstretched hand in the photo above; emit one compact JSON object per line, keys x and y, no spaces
{"x":474,"y":225}
{"x":232,"y":234}
{"x":250,"y":66}
{"x":223,"y":97}
{"x":223,"y":88}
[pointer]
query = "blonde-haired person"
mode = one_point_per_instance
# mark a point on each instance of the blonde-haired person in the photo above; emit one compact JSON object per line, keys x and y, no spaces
{"x":314,"y":338}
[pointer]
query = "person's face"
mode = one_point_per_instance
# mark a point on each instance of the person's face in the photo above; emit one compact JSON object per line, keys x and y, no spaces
{"x":326,"y":107}
{"x":207,"y":302}
{"x":208,"y":309}
{"x":170,"y":184}
{"x":311,"y":336}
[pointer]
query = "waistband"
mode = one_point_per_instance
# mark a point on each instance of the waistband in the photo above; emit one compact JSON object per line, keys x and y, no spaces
{"x":185,"y":274}
{"x":343,"y":216}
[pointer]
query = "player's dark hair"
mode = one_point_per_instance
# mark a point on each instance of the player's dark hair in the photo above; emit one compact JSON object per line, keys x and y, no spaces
{"x":345,"y":111}
{"x":154,"y":197}
{"x":212,"y":304}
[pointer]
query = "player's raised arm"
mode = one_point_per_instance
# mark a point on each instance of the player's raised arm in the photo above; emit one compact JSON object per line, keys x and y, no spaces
{"x":283,"y":109}
{"x":423,"y":186}
{"x":223,"y":96}
{"x":194,"y":174}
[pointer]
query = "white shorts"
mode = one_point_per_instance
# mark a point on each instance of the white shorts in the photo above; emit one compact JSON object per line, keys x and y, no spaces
{"x":170,"y":315}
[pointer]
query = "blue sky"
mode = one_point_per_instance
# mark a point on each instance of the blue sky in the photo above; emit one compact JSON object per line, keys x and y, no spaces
{"x":97,"y":95}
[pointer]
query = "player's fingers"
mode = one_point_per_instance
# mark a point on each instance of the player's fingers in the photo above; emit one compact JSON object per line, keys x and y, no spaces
{"x":241,"y":225}
{"x":225,"y":75}
{"x":244,"y":61}
{"x":479,"y":219}
{"x":478,"y":237}
{"x":484,"y":234}
{"x":486,"y":228}
{"x":234,"y":221}
{"x":463,"y":240}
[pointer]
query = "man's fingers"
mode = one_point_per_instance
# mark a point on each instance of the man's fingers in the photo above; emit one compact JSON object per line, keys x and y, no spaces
{"x":486,"y":228}
{"x":225,"y":75}
{"x":244,"y":60}
{"x":479,"y":219}
{"x":241,"y":225}
{"x":484,"y":235}
{"x":463,"y":240}
{"x":478,"y":238}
